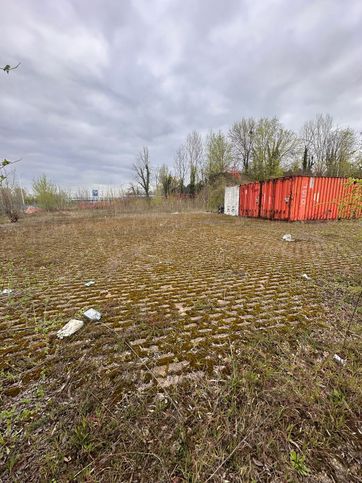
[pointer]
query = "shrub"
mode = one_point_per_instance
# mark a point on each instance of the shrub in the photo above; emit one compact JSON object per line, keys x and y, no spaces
{"x":11,"y":202}
{"x":351,"y":202}
{"x":48,"y":196}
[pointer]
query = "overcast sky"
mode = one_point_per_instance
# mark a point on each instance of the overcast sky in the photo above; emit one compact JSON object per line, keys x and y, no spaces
{"x":100,"y":79}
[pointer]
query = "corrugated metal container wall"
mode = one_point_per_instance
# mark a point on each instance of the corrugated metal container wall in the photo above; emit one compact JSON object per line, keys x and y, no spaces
{"x":267,"y":199}
{"x":321,"y":199}
{"x":231,"y":200}
{"x":282,"y":196}
{"x":298,"y":198}
{"x":249,"y":199}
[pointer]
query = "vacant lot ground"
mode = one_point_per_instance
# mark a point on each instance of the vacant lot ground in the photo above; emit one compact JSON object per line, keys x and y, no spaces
{"x":213,"y":360}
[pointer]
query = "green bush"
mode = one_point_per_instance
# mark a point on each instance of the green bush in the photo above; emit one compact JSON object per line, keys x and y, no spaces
{"x":213,"y":193}
{"x":48,"y":196}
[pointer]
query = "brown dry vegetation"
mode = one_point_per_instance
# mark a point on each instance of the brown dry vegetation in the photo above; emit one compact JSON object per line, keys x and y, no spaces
{"x":213,"y":360}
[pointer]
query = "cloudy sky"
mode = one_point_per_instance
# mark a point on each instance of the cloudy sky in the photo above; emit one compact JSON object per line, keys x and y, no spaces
{"x":101,"y":78}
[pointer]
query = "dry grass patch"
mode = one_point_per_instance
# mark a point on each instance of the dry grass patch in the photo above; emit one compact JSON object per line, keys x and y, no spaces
{"x":213,"y":360}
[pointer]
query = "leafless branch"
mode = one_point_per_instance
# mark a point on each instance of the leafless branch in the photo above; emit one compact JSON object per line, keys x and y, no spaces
{"x":7,"y":68}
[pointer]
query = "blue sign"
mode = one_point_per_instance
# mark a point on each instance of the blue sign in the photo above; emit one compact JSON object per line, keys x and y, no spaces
{"x":95,"y":193}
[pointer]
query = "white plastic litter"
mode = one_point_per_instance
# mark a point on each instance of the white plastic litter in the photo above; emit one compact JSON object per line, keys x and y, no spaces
{"x":287,"y":237}
{"x":339,"y":359}
{"x":307,"y":277}
{"x":70,"y":328}
{"x":92,"y":314}
{"x":89,"y":283}
{"x":7,"y":291}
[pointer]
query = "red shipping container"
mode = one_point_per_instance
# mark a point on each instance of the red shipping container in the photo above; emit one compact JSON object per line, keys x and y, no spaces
{"x":249,"y":199}
{"x":324,"y":198}
{"x":317,"y":198}
{"x":303,"y":198}
{"x":276,"y":198}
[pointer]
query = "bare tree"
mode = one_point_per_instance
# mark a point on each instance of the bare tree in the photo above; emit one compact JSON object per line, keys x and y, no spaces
{"x":181,"y":168}
{"x":133,"y":190}
{"x":316,"y":134}
{"x":329,"y":150}
{"x":241,"y":136}
{"x":342,"y":146}
{"x":142,"y":170}
{"x":194,"y":154}
{"x":5,"y":164}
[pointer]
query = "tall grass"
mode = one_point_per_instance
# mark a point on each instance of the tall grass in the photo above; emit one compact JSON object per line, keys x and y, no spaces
{"x":135,"y":204}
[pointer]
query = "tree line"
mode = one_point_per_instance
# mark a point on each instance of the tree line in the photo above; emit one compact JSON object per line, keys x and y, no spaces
{"x":256,"y":149}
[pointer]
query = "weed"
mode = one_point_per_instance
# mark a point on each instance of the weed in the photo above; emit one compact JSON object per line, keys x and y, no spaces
{"x":338,"y":398}
{"x":40,"y":392}
{"x":298,"y":463}
{"x":82,"y":436}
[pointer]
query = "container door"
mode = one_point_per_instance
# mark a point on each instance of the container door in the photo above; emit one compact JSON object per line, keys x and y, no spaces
{"x":244,"y":195}
{"x":323,"y":196}
{"x":267,"y":199}
{"x":242,"y":200}
{"x":231,"y":200}
{"x":228,"y":201}
{"x":302,"y":191}
{"x":235,"y":200}
{"x":254,"y":200}
{"x":249,"y":199}
{"x":282,"y":198}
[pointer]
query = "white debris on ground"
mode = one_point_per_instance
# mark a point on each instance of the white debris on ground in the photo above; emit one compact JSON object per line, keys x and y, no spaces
{"x":7,"y":291}
{"x":287,"y":237}
{"x":89,"y":283}
{"x":339,"y":359}
{"x":307,"y":277}
{"x":92,"y":314}
{"x":70,"y":328}
{"x":31,"y":210}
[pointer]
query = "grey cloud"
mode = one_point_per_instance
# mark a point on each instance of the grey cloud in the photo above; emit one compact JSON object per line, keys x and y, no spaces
{"x":100,"y":79}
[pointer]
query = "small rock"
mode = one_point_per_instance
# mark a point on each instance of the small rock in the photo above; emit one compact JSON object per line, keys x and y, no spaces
{"x":92,"y":314}
{"x":89,"y":283}
{"x":70,"y":328}
{"x":287,"y":237}
{"x":7,"y":291}
{"x":339,"y":359}
{"x":306,"y":277}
